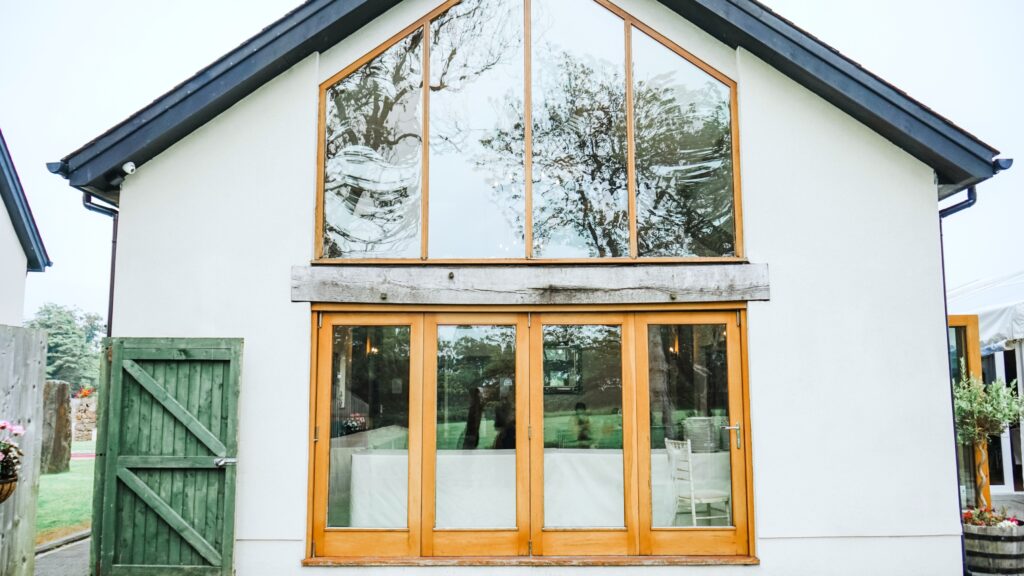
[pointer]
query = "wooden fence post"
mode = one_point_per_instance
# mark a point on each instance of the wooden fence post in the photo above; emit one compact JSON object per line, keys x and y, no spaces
{"x":22,"y":373}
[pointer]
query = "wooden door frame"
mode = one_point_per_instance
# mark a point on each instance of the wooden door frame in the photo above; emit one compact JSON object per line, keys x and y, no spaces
{"x":535,"y":541}
{"x":480,"y":542}
{"x":724,"y":541}
{"x":583,"y":542}
{"x":354,"y":542}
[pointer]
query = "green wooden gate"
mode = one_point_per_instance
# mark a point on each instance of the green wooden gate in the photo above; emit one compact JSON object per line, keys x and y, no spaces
{"x":164,"y":498}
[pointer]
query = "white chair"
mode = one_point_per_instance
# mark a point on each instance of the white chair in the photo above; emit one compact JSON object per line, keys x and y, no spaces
{"x":685,"y":489}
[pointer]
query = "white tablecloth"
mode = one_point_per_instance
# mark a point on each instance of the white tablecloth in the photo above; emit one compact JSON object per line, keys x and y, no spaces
{"x":476,"y":488}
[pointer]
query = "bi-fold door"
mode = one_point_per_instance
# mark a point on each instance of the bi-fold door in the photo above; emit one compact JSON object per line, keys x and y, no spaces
{"x":511,"y":434}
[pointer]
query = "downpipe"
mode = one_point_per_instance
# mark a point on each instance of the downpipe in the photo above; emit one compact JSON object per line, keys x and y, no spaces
{"x":87,"y":202}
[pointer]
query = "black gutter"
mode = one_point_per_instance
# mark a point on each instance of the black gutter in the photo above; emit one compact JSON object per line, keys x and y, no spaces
{"x":114,"y":214}
{"x":972,"y":199}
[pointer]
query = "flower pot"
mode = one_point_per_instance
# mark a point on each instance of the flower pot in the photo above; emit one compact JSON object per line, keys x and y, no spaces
{"x":7,"y":486}
{"x":994,"y":549}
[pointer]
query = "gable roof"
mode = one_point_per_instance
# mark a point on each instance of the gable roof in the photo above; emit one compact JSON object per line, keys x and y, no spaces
{"x":958,"y":158}
{"x":20,"y":213}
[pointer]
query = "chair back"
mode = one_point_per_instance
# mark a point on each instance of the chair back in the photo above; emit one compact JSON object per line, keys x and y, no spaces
{"x":680,"y":460}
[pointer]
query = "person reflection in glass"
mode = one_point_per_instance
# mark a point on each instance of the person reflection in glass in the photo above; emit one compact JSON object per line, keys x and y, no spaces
{"x":505,"y":418}
{"x":581,"y":422}
{"x":471,"y":438}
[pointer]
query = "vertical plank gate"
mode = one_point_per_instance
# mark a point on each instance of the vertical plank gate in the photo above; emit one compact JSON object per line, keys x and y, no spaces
{"x":164,"y":496}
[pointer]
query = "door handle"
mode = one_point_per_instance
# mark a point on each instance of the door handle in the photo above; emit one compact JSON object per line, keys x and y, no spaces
{"x":739,"y":434}
{"x":222,"y":462}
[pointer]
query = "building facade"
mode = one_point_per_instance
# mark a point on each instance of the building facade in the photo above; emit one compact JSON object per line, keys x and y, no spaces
{"x":617,"y":289}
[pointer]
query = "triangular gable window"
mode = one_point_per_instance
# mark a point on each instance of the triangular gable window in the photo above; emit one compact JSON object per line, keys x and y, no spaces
{"x":562,"y":152}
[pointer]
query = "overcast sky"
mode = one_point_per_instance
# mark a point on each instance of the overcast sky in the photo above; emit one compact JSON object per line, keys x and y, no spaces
{"x":70,"y":69}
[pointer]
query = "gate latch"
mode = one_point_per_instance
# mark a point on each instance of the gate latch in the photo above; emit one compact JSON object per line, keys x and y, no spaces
{"x":222,"y":462}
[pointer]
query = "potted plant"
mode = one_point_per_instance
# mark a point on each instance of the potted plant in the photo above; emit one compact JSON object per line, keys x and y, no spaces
{"x":10,"y":458}
{"x":993,"y":541}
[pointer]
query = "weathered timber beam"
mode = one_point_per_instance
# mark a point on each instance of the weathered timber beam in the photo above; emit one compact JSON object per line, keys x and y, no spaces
{"x":526,"y":285}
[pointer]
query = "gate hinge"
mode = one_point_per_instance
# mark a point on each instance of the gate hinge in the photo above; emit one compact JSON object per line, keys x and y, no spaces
{"x":529,"y":320}
{"x":110,"y":353}
{"x":316,"y":434}
{"x":319,"y":319}
{"x":529,"y":548}
{"x":529,"y":432}
{"x":314,"y":549}
{"x":737,"y":317}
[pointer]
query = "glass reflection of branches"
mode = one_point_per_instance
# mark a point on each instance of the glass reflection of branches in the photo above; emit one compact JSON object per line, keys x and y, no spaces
{"x":373,"y":163}
{"x":683,"y":156}
{"x":682,"y":132}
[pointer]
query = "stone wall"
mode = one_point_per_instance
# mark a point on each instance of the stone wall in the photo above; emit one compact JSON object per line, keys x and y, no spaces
{"x":83,"y":418}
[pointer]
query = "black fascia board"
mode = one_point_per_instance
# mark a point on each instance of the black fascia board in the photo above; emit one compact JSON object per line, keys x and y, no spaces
{"x":314,"y":26}
{"x":959,"y":159}
{"x":20,"y":212}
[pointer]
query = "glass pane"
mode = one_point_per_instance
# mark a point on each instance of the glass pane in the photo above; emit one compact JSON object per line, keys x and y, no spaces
{"x":957,"y":351}
{"x":476,"y":131}
{"x":580,"y":198}
{"x":683,"y":155}
{"x":368,"y":482}
{"x":583,"y":478}
{"x":476,"y":427}
{"x":373,"y":157}
{"x":691,"y":481}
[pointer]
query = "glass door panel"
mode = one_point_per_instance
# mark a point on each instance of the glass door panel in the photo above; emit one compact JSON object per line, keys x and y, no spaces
{"x":476,"y":427}
{"x":582,"y":425}
{"x":475,"y":465}
{"x":583,"y":466}
{"x":367,"y":457}
{"x":689,"y":411}
{"x":692,"y":459}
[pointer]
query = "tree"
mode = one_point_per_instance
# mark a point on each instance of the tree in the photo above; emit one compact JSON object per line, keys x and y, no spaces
{"x":73,"y":344}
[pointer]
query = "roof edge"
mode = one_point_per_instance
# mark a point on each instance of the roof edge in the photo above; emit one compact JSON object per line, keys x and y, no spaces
{"x":20,"y":212}
{"x":959,"y":159}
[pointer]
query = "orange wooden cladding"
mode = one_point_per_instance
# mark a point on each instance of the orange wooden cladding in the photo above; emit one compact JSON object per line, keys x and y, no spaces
{"x":421,"y":540}
{"x":630,"y":23}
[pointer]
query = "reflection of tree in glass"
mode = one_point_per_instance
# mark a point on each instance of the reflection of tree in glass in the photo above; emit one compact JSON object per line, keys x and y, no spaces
{"x":683,"y":158}
{"x":579,"y":157}
{"x":374,"y":130}
{"x":372,"y":148}
{"x":684,"y":169}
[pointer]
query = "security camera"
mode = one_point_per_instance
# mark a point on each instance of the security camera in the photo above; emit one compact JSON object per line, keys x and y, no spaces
{"x":128,"y":167}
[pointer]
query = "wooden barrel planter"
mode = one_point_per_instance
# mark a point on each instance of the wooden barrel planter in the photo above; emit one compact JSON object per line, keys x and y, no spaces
{"x":994,"y":549}
{"x":7,"y":486}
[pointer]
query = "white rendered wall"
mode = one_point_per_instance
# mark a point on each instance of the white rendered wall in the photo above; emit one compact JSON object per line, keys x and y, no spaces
{"x":13,"y":266}
{"x":853,"y":452}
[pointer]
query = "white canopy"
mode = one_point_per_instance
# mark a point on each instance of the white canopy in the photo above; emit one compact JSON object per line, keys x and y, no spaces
{"x":999,"y":304}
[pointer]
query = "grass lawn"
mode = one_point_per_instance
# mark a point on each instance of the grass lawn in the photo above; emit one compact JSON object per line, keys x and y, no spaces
{"x":65,"y":500}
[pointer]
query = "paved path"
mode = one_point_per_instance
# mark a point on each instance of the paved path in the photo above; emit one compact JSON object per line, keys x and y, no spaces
{"x":71,"y":560}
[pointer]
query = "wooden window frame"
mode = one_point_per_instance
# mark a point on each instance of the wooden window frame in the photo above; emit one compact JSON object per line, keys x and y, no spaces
{"x":630,"y":23}
{"x":348,"y":542}
{"x":529,"y":543}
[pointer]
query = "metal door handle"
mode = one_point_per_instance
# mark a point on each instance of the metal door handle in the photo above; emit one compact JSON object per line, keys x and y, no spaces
{"x":739,"y":434}
{"x":222,"y":462}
